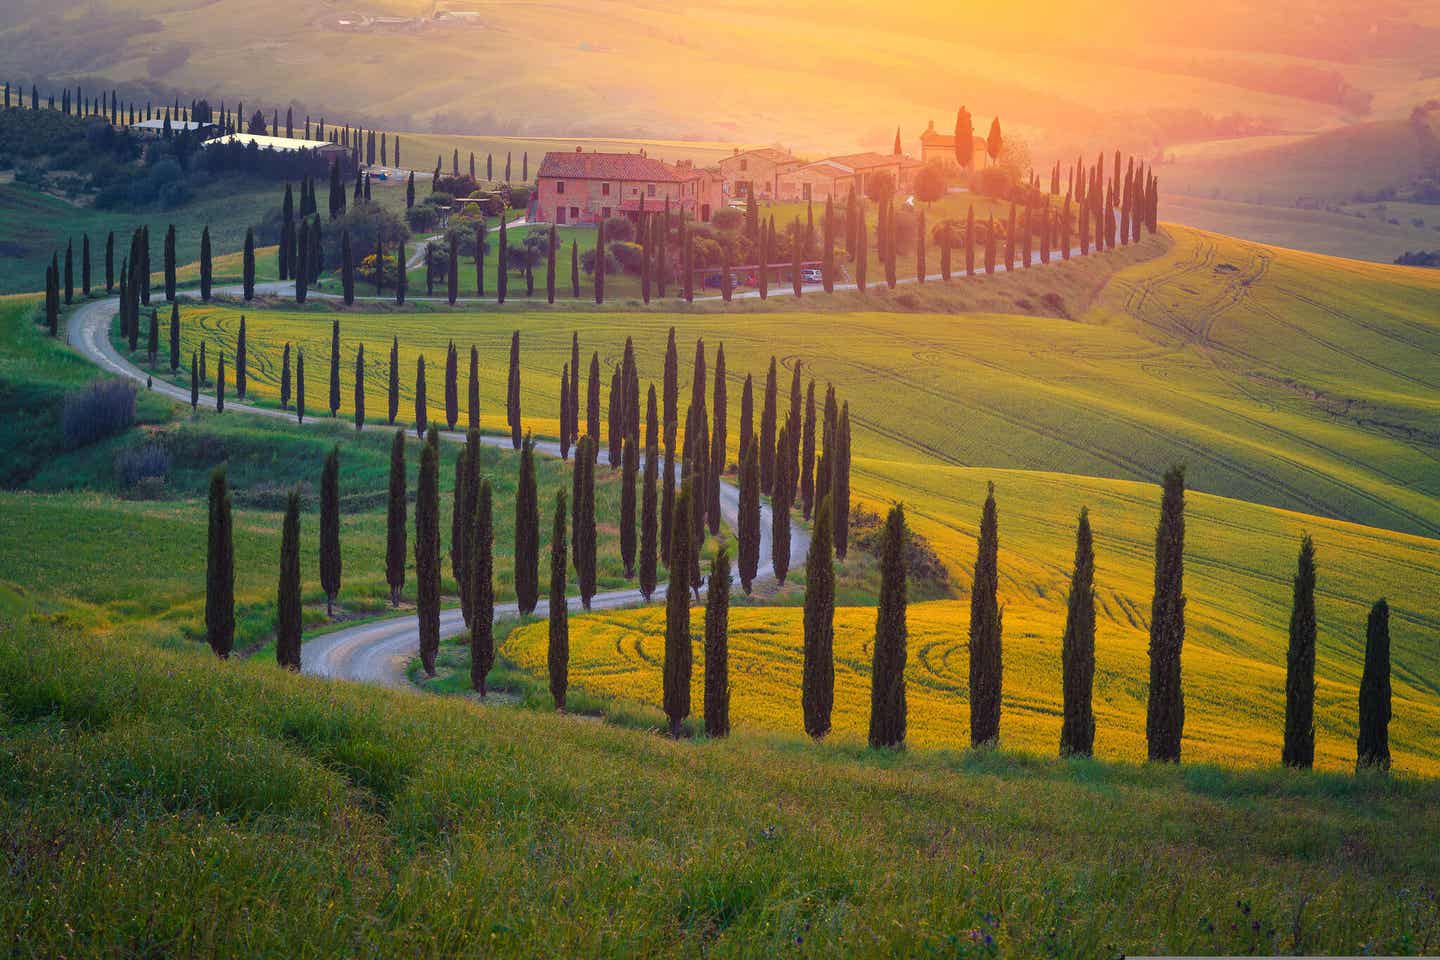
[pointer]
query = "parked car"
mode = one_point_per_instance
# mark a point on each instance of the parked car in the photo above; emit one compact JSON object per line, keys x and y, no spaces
{"x":811,"y":275}
{"x":713,"y":280}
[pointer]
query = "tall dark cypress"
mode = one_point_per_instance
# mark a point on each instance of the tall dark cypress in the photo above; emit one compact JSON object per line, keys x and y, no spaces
{"x":1077,"y":650}
{"x":887,"y":668}
{"x":330,"y":529}
{"x":220,"y":568}
{"x":671,"y":387}
{"x":170,"y":263}
{"x":986,"y":665}
{"x":558,"y":653}
{"x":649,"y":506}
{"x":194,"y":384}
{"x":402,"y":280}
{"x":793,"y":422}
{"x":780,"y":521}
{"x":85,"y":265}
{"x":153,"y":347}
{"x":585,"y":522}
{"x":717,"y":646}
{"x":527,"y":532}
{"x":70,"y":273}
{"x":807,"y":453}
{"x":287,"y":597}
{"x":747,"y":413}
{"x":592,"y":402}
{"x":300,"y":386}
{"x":248,"y":268}
{"x":241,"y":360}
{"x":970,"y":241}
{"x":480,"y":572}
{"x":748,"y":524}
{"x":1299,"y":749}
{"x":207,"y":268}
{"x":427,"y":551}
{"x":392,"y":406}
{"x":718,"y":448}
{"x":395,"y":510}
{"x":817,"y":691}
{"x":110,"y":261}
{"x":615,"y":413}
{"x":220,"y":384}
{"x":1372,"y":745}
{"x":175,"y":339}
{"x":512,"y":393}
{"x":452,"y":387}
{"x":628,"y":476}
{"x":840,"y":482}
{"x":767,"y":434}
{"x":1165,"y":713}
{"x":334,"y":367}
{"x":678,"y":653}
{"x":422,"y":414}
{"x":359,"y":388}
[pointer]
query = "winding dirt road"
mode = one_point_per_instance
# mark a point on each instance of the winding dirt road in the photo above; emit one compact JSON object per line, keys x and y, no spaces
{"x":380,"y":651}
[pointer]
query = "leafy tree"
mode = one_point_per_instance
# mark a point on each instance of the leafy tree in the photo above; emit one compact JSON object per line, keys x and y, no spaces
{"x":287,"y":600}
{"x":480,"y":572}
{"x":985,"y":625}
{"x":717,"y":651}
{"x":427,"y":551}
{"x":527,"y":532}
{"x":1299,"y":749}
{"x":678,"y":654}
{"x":1165,"y":714}
{"x":887,"y":670}
{"x":330,"y":529}
{"x":558,"y":656}
{"x":220,"y":568}
{"x":817,"y":692}
{"x":1077,"y":650}
{"x":395,"y":510}
{"x":1372,"y":746}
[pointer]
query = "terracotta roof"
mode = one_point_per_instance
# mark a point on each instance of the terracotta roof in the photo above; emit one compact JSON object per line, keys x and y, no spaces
{"x":863,"y":161}
{"x":772,"y":154}
{"x":570,"y":165}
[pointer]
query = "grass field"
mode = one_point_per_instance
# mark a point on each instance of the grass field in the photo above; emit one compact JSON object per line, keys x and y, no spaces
{"x":1317,"y":231}
{"x":337,"y":815}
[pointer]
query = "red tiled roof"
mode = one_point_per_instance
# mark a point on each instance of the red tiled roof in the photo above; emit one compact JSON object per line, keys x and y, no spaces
{"x":862,"y":161}
{"x":569,"y":165}
{"x":772,"y":154}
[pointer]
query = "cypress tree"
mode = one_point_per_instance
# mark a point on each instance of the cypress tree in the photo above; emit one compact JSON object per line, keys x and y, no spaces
{"x":840,"y":482}
{"x":573,"y":398}
{"x":1299,"y":750}
{"x":248,"y":269}
{"x":565,"y":414}
{"x":817,"y":691}
{"x":502,"y":266}
{"x":194,"y":384}
{"x":206,"y":264}
{"x":667,"y":504}
{"x":241,"y":361}
{"x":649,"y":521}
{"x":395,"y":509}
{"x":169,"y":263}
{"x":600,"y":262}
{"x":768,"y":457}
{"x":347,"y":269}
{"x":585,"y":523}
{"x":986,"y":665}
{"x":1010,"y":241}
{"x":360,"y":388}
{"x":300,"y":386}
{"x":574,"y":270}
{"x":628,"y":476}
{"x":615,"y":412}
{"x":990,"y":247}
{"x":409,"y":187}
{"x":748,"y":524}
{"x":747,"y":414}
{"x":204,"y":367}
{"x":472,"y":390}
{"x":1372,"y":746}
{"x":558,"y":655}
{"x":550,"y":266}
{"x":427,"y":551}
{"x":780,"y":522}
{"x":678,"y":654}
{"x":220,"y":569}
{"x":334,"y":367}
{"x":1165,"y":714}
{"x":527,"y":532}
{"x":970,"y":241}
{"x":1077,"y":649}
{"x":452,"y":387}
{"x":697,"y":454}
{"x":887,"y":669}
{"x":402,"y":279}
{"x":792,"y":421}
{"x":452,"y":274}
{"x":717,"y":646}
{"x":220,"y":384}
{"x":717,"y":444}
{"x":807,"y":453}
{"x":330,"y":529}
{"x":70,"y":273}
{"x":393,"y":398}
{"x":920,"y":251}
{"x":862,"y":252}
{"x":592,"y":402}
{"x":512,"y":393}
{"x":110,"y":261}
{"x":480,"y":573}
{"x":175,"y":338}
{"x":766,"y":250}
{"x":287,"y":599}
{"x":1025,"y":234}
{"x":421,"y":408}
{"x":85,"y":265}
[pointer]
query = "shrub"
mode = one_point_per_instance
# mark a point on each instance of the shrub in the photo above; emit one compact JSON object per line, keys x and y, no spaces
{"x":422,"y":216}
{"x":619,"y":230}
{"x":136,"y":464}
{"x":104,"y":408}
{"x":365,"y":221}
{"x":628,"y":255}
{"x":726,"y":219}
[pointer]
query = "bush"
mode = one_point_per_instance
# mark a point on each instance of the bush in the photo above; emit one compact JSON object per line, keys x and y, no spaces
{"x":136,"y":464}
{"x":628,"y":255}
{"x":620,"y":230}
{"x":422,"y":216}
{"x":727,"y":219}
{"x":104,"y":408}
{"x":366,"y":222}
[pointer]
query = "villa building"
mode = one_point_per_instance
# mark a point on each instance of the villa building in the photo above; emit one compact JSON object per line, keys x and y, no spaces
{"x":941,"y":146}
{"x":585,"y":188}
{"x":758,"y":171}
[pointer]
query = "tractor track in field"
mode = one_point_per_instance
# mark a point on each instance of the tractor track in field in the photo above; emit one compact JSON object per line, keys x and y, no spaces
{"x":379,"y":651}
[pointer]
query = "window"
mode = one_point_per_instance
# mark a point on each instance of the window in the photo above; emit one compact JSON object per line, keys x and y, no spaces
{"x":559,"y":186}
{"x":805,"y":191}
{"x":575,"y":214}
{"x":559,"y":214}
{"x":744,"y":164}
{"x":650,"y":189}
{"x":604,"y":189}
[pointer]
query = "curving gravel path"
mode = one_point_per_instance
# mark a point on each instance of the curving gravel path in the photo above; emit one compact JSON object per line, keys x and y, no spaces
{"x":379,"y":652}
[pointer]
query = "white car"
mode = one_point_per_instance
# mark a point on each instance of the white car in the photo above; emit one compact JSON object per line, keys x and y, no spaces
{"x":811,"y":275}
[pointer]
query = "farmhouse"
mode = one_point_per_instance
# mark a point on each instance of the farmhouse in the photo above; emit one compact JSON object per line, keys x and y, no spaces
{"x":155,"y":128}
{"x":323,"y":148}
{"x":941,"y":146}
{"x":836,"y":177}
{"x":757,"y":171}
{"x":578,"y":187}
